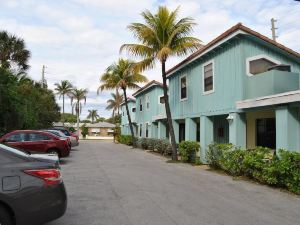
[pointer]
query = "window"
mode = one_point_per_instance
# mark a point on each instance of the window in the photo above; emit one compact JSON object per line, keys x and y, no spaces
{"x":123,"y":113}
{"x":208,"y":78}
{"x":198,"y":132}
{"x":147,"y":130}
{"x":266,"y":132}
{"x":16,"y":138}
{"x":133,"y":109}
{"x":147,"y":102}
{"x":141,"y":127}
{"x":38,"y":137}
{"x":141,"y":105}
{"x":161,"y":99}
{"x":183,"y":88}
{"x":259,"y":64}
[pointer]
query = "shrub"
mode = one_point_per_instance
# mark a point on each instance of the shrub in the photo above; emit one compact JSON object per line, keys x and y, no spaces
{"x":151,"y":143}
{"x":215,"y":153}
{"x":231,"y":160}
{"x":84,"y":130}
{"x":188,"y":150}
{"x":125,"y":139}
{"x":144,"y":143}
{"x":163,"y":146}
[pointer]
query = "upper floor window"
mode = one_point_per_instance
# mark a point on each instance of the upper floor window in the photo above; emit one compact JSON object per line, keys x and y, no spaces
{"x":147,"y":102}
{"x":141,"y":105}
{"x":259,"y":64}
{"x":161,"y":99}
{"x":133,"y":109}
{"x":208,"y":77}
{"x":123,"y":113}
{"x":183,"y":88}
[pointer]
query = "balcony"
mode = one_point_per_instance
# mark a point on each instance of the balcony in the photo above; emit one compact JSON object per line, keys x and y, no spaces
{"x":270,"y":83}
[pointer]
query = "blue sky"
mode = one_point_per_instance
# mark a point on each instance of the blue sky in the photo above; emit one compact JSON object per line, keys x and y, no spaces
{"x":78,"y":39}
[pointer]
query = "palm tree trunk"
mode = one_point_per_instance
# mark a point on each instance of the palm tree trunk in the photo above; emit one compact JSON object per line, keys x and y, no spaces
{"x":77,"y":114}
{"x":63,"y":119}
{"x":129,"y":118}
{"x":168,"y":112}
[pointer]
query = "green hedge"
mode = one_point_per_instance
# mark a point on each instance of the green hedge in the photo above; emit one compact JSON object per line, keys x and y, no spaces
{"x":260,"y":164}
{"x":188,"y":150}
{"x":125,"y":139}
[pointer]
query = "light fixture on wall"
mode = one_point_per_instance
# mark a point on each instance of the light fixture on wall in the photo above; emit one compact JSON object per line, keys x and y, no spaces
{"x":229,"y":118}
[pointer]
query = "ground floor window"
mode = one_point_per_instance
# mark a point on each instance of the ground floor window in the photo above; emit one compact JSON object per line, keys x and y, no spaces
{"x":147,"y":130}
{"x":266,"y":132}
{"x":141,"y":128}
{"x":198,"y":132}
{"x":181,"y":132}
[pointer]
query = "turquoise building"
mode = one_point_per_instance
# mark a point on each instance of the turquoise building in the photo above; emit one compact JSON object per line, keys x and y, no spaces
{"x":125,"y":129}
{"x":240,"y":88}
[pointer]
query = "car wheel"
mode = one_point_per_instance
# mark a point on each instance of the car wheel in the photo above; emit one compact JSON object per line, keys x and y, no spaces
{"x":5,"y":218}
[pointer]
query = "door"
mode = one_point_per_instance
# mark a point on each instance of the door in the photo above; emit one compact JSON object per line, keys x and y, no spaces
{"x":181,"y":132}
{"x":266,"y":132}
{"x":37,"y":142}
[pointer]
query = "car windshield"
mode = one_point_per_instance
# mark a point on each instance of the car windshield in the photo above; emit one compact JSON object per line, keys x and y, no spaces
{"x":14,"y":150}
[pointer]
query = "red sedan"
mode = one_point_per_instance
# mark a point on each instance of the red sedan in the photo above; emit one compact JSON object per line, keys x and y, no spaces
{"x":37,"y":141}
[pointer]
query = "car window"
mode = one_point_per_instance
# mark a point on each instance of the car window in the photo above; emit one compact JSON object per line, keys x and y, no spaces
{"x":38,"y":137}
{"x":14,"y":150}
{"x":19,"y":137}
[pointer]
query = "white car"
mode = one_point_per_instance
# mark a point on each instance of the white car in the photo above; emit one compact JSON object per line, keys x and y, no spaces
{"x":59,"y":133}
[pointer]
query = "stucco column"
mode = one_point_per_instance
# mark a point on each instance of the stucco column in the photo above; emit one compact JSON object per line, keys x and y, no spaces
{"x":287,"y":128}
{"x":237,"y":129}
{"x":207,"y":135}
{"x":176,"y":130}
{"x":190,"y":129}
{"x":161,"y":133}
{"x":153,"y":130}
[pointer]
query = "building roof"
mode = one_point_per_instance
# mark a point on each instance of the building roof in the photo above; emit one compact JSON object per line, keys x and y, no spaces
{"x":128,"y":100}
{"x":235,"y":30}
{"x":147,"y":86}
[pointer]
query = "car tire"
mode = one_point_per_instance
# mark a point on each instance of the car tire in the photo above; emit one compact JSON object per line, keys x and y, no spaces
{"x":5,"y":217}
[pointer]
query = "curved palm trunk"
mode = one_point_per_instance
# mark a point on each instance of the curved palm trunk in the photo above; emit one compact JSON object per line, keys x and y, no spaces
{"x":77,"y":114}
{"x":129,"y":118}
{"x":63,"y":110}
{"x":168,"y":112}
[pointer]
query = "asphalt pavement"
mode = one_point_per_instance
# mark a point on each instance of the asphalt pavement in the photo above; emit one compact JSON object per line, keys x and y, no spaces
{"x":113,"y":184}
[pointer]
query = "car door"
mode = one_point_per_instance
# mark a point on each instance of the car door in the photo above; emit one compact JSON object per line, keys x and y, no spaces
{"x":37,"y":142}
{"x":16,"y":140}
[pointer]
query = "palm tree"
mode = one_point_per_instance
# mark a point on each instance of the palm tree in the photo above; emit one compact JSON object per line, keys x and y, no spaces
{"x":163,"y":35}
{"x":122,"y":75}
{"x":93,"y":115}
{"x":115,"y":102}
{"x":78,"y":95}
{"x":13,"y":52}
{"x":62,"y":89}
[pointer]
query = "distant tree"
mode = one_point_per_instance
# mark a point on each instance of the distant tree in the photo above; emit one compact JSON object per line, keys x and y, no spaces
{"x":161,"y":36}
{"x":93,"y":115}
{"x":122,"y":75}
{"x":63,"y":88}
{"x":77,"y":96}
{"x":115,"y":102}
{"x":13,"y":52}
{"x":69,"y":118}
{"x":100,"y":119}
{"x":85,"y":121}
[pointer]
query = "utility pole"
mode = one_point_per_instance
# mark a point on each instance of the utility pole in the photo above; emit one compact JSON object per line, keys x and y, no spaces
{"x":43,"y":76}
{"x":273,"y":29}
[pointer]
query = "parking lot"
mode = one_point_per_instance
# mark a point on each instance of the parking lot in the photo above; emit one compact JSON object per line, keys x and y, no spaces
{"x":110,"y":184}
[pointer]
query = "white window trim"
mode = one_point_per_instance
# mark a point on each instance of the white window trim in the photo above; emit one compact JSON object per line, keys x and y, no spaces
{"x":140,"y":103}
{"x":139,"y":130}
{"x":147,"y":97}
{"x":258,"y":57}
{"x":213,"y":77}
{"x":183,"y":99}
{"x":159,"y":99}
{"x":149,"y":130}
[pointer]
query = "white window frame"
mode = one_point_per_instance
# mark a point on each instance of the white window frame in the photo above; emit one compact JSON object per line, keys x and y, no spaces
{"x":147,"y":100}
{"x":140,"y":134}
{"x":258,"y":57}
{"x":159,"y":100}
{"x":213,"y":77}
{"x":140,"y":103}
{"x":180,"y":78}
{"x":149,"y":130}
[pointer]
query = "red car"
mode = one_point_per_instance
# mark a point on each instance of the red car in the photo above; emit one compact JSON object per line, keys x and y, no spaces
{"x":37,"y":141}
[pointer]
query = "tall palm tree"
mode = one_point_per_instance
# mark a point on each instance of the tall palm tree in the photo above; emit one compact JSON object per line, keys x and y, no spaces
{"x":78,"y":95}
{"x":93,"y":115}
{"x":163,"y":35}
{"x":122,"y":75}
{"x":13,"y":52}
{"x":114,"y":103}
{"x":63,"y":88}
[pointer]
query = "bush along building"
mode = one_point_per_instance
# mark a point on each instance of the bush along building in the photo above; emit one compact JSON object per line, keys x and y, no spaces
{"x":240,"y":88}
